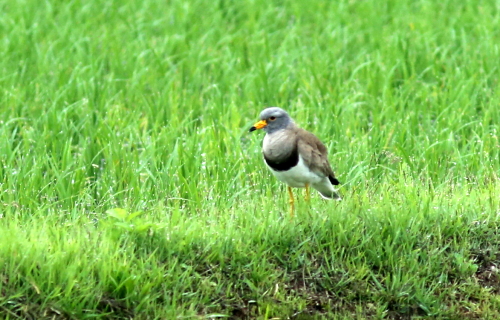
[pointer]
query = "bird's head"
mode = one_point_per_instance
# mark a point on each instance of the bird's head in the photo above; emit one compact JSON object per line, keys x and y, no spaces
{"x":272,"y":119}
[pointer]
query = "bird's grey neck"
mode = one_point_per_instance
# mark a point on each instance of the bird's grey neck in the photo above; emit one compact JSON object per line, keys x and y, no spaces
{"x":289,"y":125}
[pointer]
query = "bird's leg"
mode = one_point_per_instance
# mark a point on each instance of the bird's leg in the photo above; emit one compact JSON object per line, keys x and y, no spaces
{"x":308,"y":193}
{"x":292,"y":206}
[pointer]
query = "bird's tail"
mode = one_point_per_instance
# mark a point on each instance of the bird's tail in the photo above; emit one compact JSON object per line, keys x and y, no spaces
{"x":331,"y":196}
{"x":327,"y":190}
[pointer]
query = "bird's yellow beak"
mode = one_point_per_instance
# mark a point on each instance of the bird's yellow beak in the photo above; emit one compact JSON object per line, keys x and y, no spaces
{"x":259,"y":125}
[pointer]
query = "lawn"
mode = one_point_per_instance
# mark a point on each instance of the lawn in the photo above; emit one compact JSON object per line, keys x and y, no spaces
{"x":131,"y":188}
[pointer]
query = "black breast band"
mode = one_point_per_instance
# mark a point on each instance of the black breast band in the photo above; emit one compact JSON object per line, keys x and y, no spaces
{"x":285,"y":163}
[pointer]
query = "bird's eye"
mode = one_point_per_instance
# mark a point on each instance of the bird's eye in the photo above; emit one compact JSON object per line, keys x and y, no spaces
{"x":272,"y":118}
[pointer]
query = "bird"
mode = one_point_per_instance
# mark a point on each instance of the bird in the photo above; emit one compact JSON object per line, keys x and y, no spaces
{"x":295,"y":156}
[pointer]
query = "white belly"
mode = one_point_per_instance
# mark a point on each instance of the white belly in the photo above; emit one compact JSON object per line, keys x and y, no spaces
{"x":298,"y":176}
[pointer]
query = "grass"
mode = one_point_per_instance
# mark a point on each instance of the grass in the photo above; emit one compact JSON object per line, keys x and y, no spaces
{"x":130,"y":187}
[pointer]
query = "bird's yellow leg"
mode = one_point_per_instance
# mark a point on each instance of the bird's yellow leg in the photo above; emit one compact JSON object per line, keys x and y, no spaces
{"x":292,"y":205}
{"x":308,"y":193}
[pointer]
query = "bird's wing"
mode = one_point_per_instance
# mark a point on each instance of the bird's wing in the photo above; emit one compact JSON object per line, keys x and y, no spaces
{"x":315,"y":155}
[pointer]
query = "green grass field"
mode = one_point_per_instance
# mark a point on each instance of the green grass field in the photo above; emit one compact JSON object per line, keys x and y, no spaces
{"x":131,"y":188}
